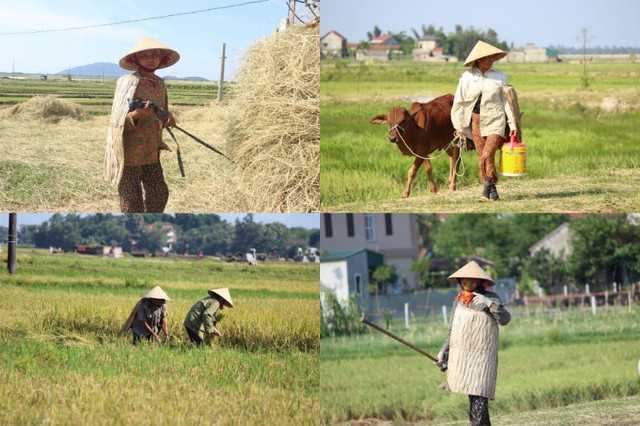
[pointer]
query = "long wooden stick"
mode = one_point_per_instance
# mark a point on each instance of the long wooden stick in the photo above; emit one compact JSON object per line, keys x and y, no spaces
{"x":393,"y":336}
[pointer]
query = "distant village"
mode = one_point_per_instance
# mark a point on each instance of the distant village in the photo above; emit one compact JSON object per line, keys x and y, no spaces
{"x":334,"y":45}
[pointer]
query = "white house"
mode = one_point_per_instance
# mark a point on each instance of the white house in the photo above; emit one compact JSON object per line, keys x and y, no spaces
{"x":333,"y":44}
{"x":346,"y":273}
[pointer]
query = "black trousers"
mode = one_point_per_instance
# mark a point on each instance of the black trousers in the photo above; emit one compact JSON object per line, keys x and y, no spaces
{"x":137,"y":338}
{"x":479,"y":411}
{"x":194,"y":337}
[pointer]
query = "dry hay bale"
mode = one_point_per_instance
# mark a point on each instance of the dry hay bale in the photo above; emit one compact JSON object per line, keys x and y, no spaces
{"x":47,"y":108}
{"x":273,"y":133}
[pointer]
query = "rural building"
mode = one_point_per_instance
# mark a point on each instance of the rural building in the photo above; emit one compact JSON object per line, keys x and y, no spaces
{"x":347,"y":273}
{"x":531,"y":53}
{"x":395,"y":236}
{"x":333,"y":45}
{"x":428,"y":50}
{"x":380,"y":49}
{"x":557,"y":243}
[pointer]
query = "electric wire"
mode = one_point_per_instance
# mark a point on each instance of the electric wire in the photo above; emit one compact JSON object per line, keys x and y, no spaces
{"x":136,"y":20}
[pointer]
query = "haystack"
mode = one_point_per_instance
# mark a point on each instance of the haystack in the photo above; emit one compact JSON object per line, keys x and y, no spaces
{"x":49,"y":109}
{"x":274,"y":130}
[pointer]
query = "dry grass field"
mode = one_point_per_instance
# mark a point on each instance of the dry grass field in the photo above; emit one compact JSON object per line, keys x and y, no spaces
{"x":52,"y":149}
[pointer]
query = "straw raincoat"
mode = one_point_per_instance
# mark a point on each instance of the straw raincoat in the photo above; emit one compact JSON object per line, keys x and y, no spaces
{"x":470,"y":351}
{"x":493,"y":106}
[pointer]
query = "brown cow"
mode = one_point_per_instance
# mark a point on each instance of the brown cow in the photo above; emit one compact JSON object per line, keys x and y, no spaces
{"x":420,"y":131}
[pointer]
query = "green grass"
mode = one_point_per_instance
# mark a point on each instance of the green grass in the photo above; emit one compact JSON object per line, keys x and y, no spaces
{"x":568,"y":133}
{"x":63,"y":359}
{"x":545,"y":361}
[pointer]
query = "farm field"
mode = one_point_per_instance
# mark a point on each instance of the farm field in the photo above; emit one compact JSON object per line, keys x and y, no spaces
{"x":59,"y":164}
{"x":97,"y":94}
{"x":561,"y":367}
{"x":582,"y":145}
{"x":65,"y":361}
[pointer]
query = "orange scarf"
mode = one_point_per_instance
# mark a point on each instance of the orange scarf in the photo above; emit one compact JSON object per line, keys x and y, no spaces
{"x":468,"y":286}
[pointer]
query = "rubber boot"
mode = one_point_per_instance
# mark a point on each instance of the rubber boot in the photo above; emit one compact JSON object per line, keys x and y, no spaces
{"x":493,"y":193}
{"x":486,"y":190}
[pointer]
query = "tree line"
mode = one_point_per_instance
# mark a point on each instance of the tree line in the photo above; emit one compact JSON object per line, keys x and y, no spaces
{"x":206,"y":233}
{"x":604,"y":248}
{"x":457,"y":43}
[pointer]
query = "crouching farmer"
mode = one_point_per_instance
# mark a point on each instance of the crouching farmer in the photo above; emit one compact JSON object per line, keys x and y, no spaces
{"x":201,"y":319}
{"x":149,"y":316}
{"x":470,"y":351}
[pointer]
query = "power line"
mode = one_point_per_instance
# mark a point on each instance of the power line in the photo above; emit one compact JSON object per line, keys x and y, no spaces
{"x":137,"y":20}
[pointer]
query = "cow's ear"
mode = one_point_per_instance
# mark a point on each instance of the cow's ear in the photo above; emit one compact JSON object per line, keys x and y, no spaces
{"x":415,"y":108}
{"x":379,"y":119}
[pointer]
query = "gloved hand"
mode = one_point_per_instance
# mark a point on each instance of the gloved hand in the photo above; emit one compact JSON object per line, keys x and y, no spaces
{"x":442,"y":361}
{"x":482,"y":301}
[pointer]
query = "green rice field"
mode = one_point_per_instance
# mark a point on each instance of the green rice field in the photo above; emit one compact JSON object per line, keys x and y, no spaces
{"x":546,"y":361}
{"x":583,"y":150}
{"x":64,"y":360}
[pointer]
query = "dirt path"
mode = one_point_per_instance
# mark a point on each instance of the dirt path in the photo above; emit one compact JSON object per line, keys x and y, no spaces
{"x":613,"y":191}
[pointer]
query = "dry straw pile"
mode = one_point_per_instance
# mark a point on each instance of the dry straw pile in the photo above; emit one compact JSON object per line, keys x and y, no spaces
{"x":49,"y":109}
{"x":273,"y":133}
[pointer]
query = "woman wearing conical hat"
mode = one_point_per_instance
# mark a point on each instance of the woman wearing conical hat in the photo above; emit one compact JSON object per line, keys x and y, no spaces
{"x":134,"y":138}
{"x":479,"y":110}
{"x":470,"y":351}
{"x":149,"y":316}
{"x":201,"y":319}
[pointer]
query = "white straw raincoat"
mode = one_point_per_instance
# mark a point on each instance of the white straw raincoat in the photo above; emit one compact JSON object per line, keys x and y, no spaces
{"x":493,"y":106}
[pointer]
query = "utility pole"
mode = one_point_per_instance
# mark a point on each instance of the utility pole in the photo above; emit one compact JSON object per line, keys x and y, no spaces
{"x":222,"y":58}
{"x":13,"y":240}
{"x":13,"y":72}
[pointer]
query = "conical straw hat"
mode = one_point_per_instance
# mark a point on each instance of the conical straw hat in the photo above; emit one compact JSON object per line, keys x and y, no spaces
{"x":168,"y":55}
{"x":224,"y":293}
{"x":156,"y":293}
{"x":482,"y":50}
{"x":471,"y":270}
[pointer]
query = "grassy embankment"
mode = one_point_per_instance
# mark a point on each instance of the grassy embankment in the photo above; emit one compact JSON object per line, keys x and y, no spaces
{"x":582,"y":145}
{"x":546,"y":361}
{"x":64,"y":360}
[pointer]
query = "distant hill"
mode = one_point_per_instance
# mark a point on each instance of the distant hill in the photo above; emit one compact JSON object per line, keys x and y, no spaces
{"x":109,"y":69}
{"x":99,"y":69}
{"x":172,"y":77}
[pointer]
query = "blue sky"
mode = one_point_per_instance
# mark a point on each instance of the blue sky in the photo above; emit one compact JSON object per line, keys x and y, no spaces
{"x":543,"y":22}
{"x":291,"y":220}
{"x":198,"y":38}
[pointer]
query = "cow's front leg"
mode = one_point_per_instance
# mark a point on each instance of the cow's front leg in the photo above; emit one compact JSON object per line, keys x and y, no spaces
{"x":432,"y":184}
{"x":412,"y":173}
{"x":454,"y":163}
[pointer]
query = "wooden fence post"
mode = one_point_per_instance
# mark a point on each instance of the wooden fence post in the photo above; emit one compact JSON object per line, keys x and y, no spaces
{"x":222,"y":58}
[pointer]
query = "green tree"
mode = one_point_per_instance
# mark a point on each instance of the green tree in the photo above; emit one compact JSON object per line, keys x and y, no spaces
{"x":548,"y":270}
{"x":422,"y":267}
{"x":604,"y":250}
{"x":383,"y":276}
{"x":377,"y":32}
